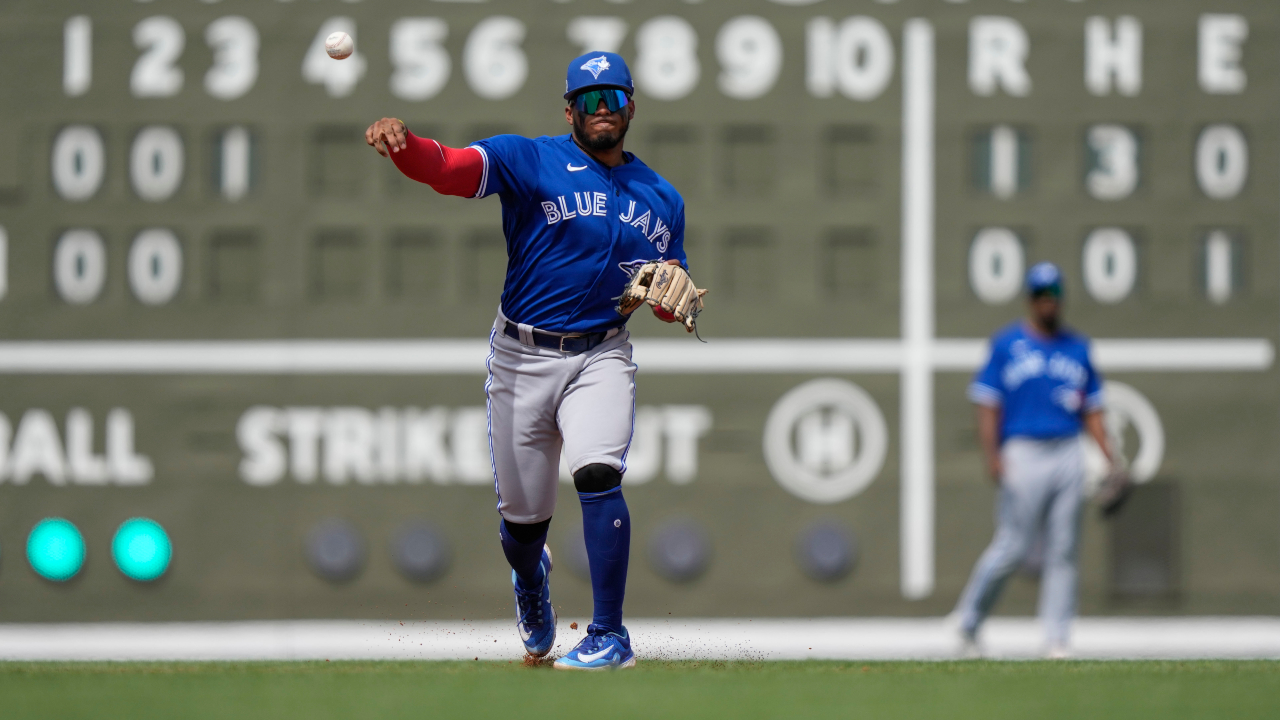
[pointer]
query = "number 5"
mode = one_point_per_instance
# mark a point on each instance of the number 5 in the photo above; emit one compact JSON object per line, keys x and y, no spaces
{"x":422,"y":65}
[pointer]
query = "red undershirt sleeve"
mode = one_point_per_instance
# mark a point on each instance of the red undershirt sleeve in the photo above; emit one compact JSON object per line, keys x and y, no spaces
{"x":449,"y":171}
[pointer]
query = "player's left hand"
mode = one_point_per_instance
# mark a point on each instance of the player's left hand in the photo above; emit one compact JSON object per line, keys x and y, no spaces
{"x":388,"y":135}
{"x":663,"y":315}
{"x":671,"y":293}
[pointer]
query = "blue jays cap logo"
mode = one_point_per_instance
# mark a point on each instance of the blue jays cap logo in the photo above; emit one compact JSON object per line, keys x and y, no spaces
{"x":595,"y":66}
{"x":597,"y":69}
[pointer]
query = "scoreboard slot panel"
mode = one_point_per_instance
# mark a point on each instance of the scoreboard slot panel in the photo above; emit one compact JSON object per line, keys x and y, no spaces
{"x":997,"y":263}
{"x":847,"y":263}
{"x":339,"y":162}
{"x":676,"y":152}
{"x":1222,"y":271}
{"x":484,"y":267}
{"x":157,"y":163}
{"x":1144,"y":553}
{"x":414,"y":266}
{"x":339,"y":266}
{"x":750,"y":161}
{"x":1113,"y":161}
{"x":78,"y":162}
{"x":13,"y":166}
{"x":1002,"y":160}
{"x":848,"y":159}
{"x":1112,"y":258}
{"x":234,"y":162}
{"x":235,"y":272}
{"x":747,"y":264}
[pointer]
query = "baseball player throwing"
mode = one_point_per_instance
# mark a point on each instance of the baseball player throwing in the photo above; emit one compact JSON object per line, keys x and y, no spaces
{"x":1033,"y":396}
{"x":589,"y":229}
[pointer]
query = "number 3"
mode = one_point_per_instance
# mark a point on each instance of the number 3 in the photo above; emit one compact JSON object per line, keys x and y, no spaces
{"x":234,"y":41}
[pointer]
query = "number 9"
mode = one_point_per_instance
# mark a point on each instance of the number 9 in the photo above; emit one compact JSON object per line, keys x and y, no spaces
{"x":750,"y":55}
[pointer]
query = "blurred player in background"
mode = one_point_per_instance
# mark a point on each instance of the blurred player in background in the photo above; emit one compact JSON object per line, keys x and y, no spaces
{"x":1036,"y":393}
{"x":580,"y":216}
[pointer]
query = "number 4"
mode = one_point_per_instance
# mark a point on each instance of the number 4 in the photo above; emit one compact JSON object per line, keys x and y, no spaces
{"x":339,"y":77}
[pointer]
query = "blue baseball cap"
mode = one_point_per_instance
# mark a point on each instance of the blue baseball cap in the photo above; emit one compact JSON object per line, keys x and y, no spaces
{"x":597,"y":70}
{"x":1044,"y":276}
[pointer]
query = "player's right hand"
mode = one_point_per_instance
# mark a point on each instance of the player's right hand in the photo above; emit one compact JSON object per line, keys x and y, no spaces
{"x":388,"y":135}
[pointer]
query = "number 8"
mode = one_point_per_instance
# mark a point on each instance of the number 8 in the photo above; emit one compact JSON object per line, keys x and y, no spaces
{"x":667,"y":59}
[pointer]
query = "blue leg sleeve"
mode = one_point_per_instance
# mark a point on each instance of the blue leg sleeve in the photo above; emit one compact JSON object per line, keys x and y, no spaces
{"x":606,"y":528}
{"x":524,"y":557}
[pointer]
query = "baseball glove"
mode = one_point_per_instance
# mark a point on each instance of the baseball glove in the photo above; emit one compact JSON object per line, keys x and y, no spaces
{"x":668,"y":289}
{"x":1114,"y":492}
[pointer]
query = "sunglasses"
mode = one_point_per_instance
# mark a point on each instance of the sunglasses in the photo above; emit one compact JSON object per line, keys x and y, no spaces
{"x":589,"y":101}
{"x":1053,"y":291}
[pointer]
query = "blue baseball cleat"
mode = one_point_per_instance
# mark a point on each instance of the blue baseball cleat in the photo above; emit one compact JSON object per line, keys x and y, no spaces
{"x":600,"y":651}
{"x":535,"y":618}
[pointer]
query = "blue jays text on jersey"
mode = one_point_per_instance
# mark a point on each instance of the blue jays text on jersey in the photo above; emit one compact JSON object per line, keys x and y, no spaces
{"x":1044,"y":385}
{"x":576,"y":229}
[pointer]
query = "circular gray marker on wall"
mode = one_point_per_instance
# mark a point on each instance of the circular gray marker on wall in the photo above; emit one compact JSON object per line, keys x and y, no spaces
{"x":680,"y":550}
{"x":420,"y":552}
{"x":335,"y":550}
{"x":826,"y":551}
{"x":574,"y":552}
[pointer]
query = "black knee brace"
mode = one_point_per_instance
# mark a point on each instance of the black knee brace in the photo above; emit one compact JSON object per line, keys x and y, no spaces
{"x":526,"y":534}
{"x":596,"y":478}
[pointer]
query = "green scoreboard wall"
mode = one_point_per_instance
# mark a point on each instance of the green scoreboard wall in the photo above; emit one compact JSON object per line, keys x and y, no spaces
{"x":223,"y":312}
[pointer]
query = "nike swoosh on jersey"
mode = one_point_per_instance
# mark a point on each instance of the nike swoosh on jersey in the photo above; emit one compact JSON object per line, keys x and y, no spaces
{"x":584,"y":657}
{"x":575,"y":169}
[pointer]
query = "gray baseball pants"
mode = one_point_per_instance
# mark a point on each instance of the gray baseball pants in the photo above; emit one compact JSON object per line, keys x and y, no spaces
{"x":1042,"y":488}
{"x":543,"y":401}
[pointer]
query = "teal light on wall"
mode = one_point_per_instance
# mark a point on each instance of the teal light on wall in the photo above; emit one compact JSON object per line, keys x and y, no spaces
{"x":141,"y":549}
{"x":55,"y":549}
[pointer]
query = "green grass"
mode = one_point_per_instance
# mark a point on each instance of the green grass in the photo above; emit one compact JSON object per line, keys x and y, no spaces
{"x":739,"y":690}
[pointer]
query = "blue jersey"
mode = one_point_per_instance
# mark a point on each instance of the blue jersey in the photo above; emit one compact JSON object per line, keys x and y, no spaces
{"x":576,"y":229}
{"x":1044,"y":385}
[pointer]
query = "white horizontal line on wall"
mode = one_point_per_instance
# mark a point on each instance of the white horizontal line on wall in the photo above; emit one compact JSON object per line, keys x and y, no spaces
{"x":768,"y":355}
{"x":684,"y":356}
{"x":666,"y":639}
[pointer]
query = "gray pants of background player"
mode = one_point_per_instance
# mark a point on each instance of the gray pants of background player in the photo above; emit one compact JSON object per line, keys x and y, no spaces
{"x":1042,"y":488}
{"x":542,"y":401}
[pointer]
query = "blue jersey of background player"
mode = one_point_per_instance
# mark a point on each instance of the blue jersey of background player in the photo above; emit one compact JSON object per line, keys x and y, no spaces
{"x":580,"y":215}
{"x":1036,"y":393}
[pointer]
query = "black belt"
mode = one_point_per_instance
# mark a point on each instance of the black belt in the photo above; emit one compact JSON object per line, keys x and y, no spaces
{"x":563,"y":343}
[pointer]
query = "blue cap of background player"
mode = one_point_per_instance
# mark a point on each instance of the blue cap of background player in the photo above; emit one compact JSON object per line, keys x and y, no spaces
{"x":1044,"y":277}
{"x":597,"y":70}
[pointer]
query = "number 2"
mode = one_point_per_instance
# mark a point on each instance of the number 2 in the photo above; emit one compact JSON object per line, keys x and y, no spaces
{"x":161,"y":39}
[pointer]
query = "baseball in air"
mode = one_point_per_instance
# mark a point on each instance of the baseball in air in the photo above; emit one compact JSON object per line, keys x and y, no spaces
{"x":339,"y":45}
